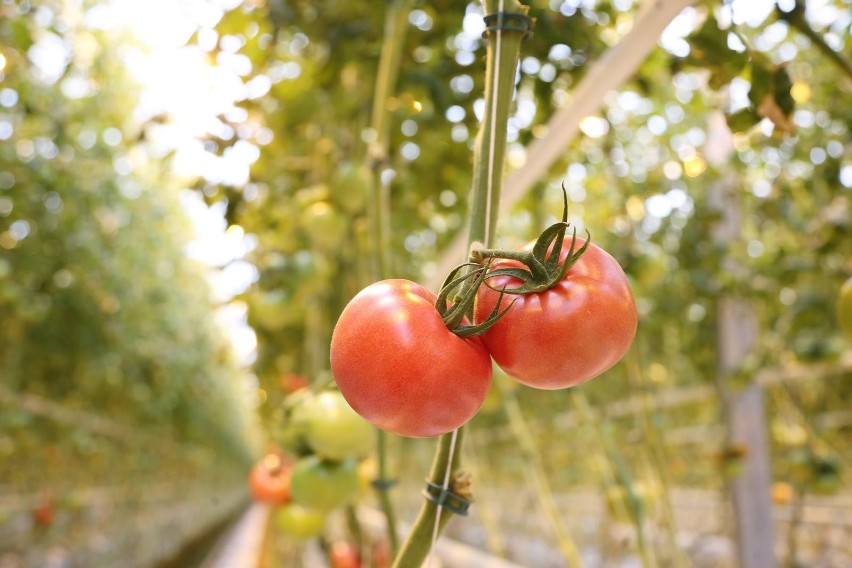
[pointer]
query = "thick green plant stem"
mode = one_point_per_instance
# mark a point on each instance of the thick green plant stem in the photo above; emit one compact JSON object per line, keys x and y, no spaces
{"x":416,"y":547}
{"x":490,"y":147}
{"x":383,"y":490}
{"x":536,"y":473}
{"x":396,"y":25}
{"x":490,"y":144}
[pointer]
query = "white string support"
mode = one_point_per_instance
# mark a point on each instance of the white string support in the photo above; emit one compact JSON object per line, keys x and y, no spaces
{"x":492,"y":145}
{"x":492,"y":141}
{"x":453,"y":438}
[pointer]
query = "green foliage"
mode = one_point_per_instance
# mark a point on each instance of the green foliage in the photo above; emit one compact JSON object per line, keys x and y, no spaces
{"x":101,"y":312}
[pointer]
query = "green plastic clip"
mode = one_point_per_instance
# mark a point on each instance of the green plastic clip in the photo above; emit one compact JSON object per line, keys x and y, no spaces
{"x":383,"y":484}
{"x":446,"y":499}
{"x":508,"y":21}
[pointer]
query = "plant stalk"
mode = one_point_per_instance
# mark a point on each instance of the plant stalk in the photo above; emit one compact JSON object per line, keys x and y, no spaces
{"x":490,"y":144}
{"x":416,"y":547}
{"x":396,"y":25}
{"x":503,"y":50}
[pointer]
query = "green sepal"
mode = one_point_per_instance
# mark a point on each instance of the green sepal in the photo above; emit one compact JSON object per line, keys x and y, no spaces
{"x":543,"y":268}
{"x":572,"y":257}
{"x":450,"y":283}
{"x":482,"y":327}
{"x":544,"y":241}
{"x":463,"y":303}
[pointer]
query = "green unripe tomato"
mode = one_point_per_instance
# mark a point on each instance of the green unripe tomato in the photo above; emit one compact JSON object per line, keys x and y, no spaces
{"x":270,"y":310}
{"x":351,"y":182}
{"x":324,"y":226}
{"x":324,"y":485}
{"x":332,"y":429}
{"x":299,"y":522}
{"x":844,"y":308}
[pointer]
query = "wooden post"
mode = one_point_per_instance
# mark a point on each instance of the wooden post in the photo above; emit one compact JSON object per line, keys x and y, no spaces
{"x":746,"y":412}
{"x":744,"y":408}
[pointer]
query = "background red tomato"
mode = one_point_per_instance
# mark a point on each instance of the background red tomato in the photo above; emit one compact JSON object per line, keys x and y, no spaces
{"x":44,"y":512}
{"x":381,"y":554}
{"x":269,"y":479}
{"x":291,"y":382}
{"x":344,"y":555}
{"x":565,"y":335}
{"x":399,"y":366}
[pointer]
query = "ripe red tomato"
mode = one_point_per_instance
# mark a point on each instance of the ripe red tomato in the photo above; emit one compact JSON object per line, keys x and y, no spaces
{"x":269,"y":479}
{"x":291,"y":382}
{"x":400,"y":368}
{"x":381,"y":554}
{"x":44,"y":512}
{"x":565,"y":335}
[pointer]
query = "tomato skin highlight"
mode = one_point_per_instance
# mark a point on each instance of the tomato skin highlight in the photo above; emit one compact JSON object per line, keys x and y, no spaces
{"x":566,"y":335}
{"x":400,"y":368}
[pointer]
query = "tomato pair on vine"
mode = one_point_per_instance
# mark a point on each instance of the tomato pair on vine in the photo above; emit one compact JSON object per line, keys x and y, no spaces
{"x":552,"y":314}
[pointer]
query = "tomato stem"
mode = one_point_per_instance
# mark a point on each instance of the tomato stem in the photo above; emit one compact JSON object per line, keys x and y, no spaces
{"x":543,"y":268}
{"x":503,"y":51}
{"x":416,"y":547}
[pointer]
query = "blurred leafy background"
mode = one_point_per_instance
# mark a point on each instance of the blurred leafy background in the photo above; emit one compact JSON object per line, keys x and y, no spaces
{"x":130,"y":379}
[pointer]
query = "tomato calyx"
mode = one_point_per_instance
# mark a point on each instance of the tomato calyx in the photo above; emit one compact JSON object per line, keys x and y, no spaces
{"x":453,"y":314}
{"x":543,"y":267}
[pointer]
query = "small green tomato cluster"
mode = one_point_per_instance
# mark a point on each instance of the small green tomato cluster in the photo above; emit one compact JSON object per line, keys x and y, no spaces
{"x":326,"y":443}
